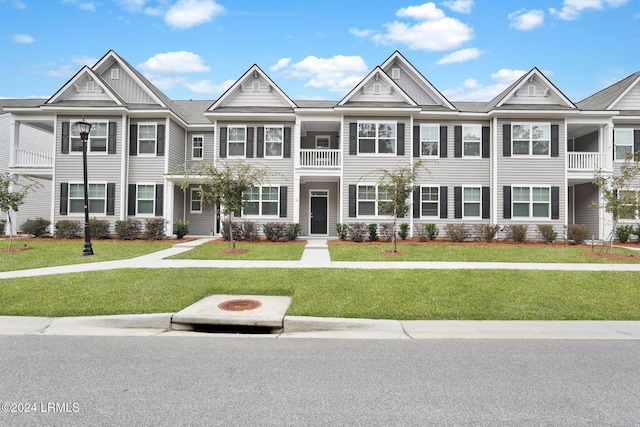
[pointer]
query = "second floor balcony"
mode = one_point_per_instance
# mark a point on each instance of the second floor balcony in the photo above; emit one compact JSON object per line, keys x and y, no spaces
{"x":32,"y":158}
{"x":320,"y":158}
{"x":587,"y":162}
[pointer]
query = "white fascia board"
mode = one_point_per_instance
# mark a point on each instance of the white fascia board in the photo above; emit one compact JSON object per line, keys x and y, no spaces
{"x":623,"y":94}
{"x":244,"y":116}
{"x":75,"y":110}
{"x":378,"y":110}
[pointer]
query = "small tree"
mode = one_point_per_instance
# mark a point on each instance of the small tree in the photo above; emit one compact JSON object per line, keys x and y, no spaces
{"x":227,"y":185}
{"x":12,"y":195}
{"x":394,"y":194}
{"x":619,"y":196}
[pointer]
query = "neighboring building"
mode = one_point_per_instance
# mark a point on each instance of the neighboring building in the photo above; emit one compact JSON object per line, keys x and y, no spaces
{"x":527,"y":156}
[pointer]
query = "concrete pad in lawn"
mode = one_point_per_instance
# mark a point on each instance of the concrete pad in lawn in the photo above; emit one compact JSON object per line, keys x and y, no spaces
{"x":234,"y":310}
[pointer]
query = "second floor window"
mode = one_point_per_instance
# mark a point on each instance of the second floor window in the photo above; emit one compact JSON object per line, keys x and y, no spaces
{"x":146,"y":138}
{"x":531,"y":139}
{"x":236,"y":138}
{"x":376,"y":137}
{"x":197,"y":147}
{"x":273,"y":138}
{"x":471,"y":140}
{"x":429,"y":140}
{"x":623,"y":139}
{"x":97,"y":142}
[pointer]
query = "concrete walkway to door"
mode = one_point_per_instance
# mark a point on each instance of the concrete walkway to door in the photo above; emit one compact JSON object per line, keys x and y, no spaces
{"x":316,"y":253}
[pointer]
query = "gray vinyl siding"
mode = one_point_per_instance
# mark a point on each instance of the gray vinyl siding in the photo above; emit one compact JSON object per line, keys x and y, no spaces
{"x":5,"y":145}
{"x":308,"y":142}
{"x":208,"y":148}
{"x":200,"y":224}
{"x":585,"y":144}
{"x":36,"y":204}
{"x":332,"y":207}
{"x":127,"y":87}
{"x":175,"y":147}
{"x":147,"y":169}
{"x":414,"y":90}
{"x":618,"y":163}
{"x":584,"y":194}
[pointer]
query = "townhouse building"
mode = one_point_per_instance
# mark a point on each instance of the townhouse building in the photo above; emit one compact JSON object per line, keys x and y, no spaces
{"x":528,"y":156}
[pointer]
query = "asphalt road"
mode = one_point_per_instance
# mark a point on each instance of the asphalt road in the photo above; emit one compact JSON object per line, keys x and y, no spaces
{"x":158,"y":381}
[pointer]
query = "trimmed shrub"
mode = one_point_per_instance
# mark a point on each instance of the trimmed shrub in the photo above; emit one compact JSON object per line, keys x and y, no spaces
{"x":357,"y":231}
{"x":342,"y":230}
{"x":3,"y":224}
{"x":100,"y":228}
{"x":477,"y":231}
{"x":457,"y":232}
{"x":373,"y":232}
{"x":490,"y":232}
{"x":275,"y":231}
{"x":426,"y":232}
{"x":180,"y":228}
{"x":623,"y":233}
{"x":68,"y":229}
{"x":577,"y":233}
{"x":293,"y":231}
{"x":154,"y":228}
{"x":547,"y":233}
{"x":403,"y":233}
{"x":249,"y":231}
{"x":237,"y":230}
{"x":386,"y":231}
{"x":129,"y":229}
{"x":38,"y":227}
{"x":517,"y":232}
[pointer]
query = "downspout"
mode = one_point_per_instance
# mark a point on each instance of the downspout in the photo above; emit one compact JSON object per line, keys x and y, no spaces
{"x":124,"y":164}
{"x":494,"y":173}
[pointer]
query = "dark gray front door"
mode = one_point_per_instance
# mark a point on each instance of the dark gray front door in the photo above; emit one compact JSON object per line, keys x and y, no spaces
{"x":318,"y":215}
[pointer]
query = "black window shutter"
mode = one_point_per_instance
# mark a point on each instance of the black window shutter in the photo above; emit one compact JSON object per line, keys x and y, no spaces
{"x":131,"y":200}
{"x":133,"y":140}
{"x":416,"y":202}
{"x":111,"y":198}
{"x":353,"y":139}
{"x":555,"y":202}
{"x":160,"y":141}
{"x":457,"y":141}
{"x":486,"y":141}
{"x":506,"y":207}
{"x":260,"y":146}
{"x":400,"y":139}
{"x":113,"y":126}
{"x":64,"y":198}
{"x":64,"y":149}
{"x":249,"y":150}
{"x":636,"y":141}
{"x":223,"y":143}
{"x":506,"y":141}
{"x":416,"y":142}
{"x":286,"y":151}
{"x":486,"y":202}
{"x":555,"y":140}
{"x":159,"y":199}
{"x":283,"y":201}
{"x":352,"y":201}
{"x":443,"y":141}
{"x":444,"y":206}
{"x":457,"y":202}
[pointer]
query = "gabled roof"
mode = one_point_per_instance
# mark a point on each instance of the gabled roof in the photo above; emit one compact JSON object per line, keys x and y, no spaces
{"x":254,"y":73}
{"x":73,"y":85}
{"x":607,"y":98}
{"x":378,"y":74}
{"x":510,"y":93}
{"x":413,"y":72}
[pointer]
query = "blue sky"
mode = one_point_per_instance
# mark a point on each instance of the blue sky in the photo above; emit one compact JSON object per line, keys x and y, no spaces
{"x":470,"y":50}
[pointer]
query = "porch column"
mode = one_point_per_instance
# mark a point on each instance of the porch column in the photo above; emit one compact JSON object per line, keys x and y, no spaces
{"x":14,"y":141}
{"x":296,"y":197}
{"x":296,"y":147}
{"x":169,"y":193}
{"x":607,"y":146}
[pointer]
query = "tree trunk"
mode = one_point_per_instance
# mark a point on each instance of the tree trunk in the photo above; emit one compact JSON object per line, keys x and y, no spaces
{"x":10,"y":225}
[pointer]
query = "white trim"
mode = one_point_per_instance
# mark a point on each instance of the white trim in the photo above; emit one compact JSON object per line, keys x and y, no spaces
{"x":281,"y":155}
{"x":81,"y":213}
{"x":153,"y":199}
{"x":193,"y":137}
{"x":244,"y":151}
{"x":155,"y":140}
{"x":531,"y":202}
{"x":328,"y":137}
{"x":437,"y":141}
{"x":377,"y":137}
{"x":531,"y":140}
{"x":469,"y":156}
{"x":478,"y":202}
{"x":191,"y":200}
{"x":437,"y":215}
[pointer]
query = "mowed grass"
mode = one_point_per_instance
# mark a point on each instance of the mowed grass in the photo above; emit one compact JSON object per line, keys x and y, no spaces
{"x":247,"y":251}
{"x":54,"y":252}
{"x":378,"y":294}
{"x":463,"y":252}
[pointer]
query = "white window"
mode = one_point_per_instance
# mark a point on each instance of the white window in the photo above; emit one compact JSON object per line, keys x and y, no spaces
{"x":147,"y":138}
{"x":531,"y":202}
{"x":273,"y":138}
{"x":97,"y":198}
{"x":395,"y":73}
{"x":471,"y":140}
{"x":429,"y":140}
{"x":531,"y":139}
{"x":629,"y":204}
{"x":429,"y":201}
{"x":376,"y":137}
{"x":145,"y":199}
{"x":372,"y":201}
{"x":322,"y":142}
{"x":471,"y":202}
{"x":97,"y":142}
{"x":197,"y":146}
{"x":115,"y":73}
{"x":196,"y":201}
{"x":623,"y":142}
{"x":236,"y":138}
{"x":262,"y":201}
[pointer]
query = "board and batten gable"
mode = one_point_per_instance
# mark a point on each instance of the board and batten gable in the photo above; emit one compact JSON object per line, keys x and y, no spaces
{"x":125,"y":86}
{"x":255,"y":92}
{"x":416,"y":91}
{"x":630,"y":101}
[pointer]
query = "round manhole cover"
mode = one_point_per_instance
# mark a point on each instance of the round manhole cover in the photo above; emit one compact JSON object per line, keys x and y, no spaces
{"x":239,"y":305}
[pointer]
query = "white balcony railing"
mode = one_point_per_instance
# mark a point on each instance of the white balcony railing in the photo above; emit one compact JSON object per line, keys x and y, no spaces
{"x":320,"y":158}
{"x":33,"y":158}
{"x":589,"y":162}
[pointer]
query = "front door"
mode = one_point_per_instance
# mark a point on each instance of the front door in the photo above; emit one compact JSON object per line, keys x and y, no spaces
{"x":319,"y":202}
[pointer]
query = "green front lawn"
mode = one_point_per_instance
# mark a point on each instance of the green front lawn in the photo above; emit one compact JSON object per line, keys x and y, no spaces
{"x":381,"y":294}
{"x":246,"y":251}
{"x":470,"y":252}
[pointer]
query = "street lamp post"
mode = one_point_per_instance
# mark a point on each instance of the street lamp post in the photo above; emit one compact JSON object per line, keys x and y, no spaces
{"x":83,"y":129}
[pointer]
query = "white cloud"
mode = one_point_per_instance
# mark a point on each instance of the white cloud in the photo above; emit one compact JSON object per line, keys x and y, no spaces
{"x":191,"y":13}
{"x":83,"y":5}
{"x":460,"y":6}
{"x":207,"y":87}
{"x":572,"y":9}
{"x":360,"y":33}
{"x":282,"y":63}
{"x":336,"y":74}
{"x":434,"y":32}
{"x":460,"y":56}
{"x":132,"y":5}
{"x":181,"y":62}
{"x":526,"y":20}
{"x":23,"y":39}
{"x":472,"y":90}
{"x":69,"y":69}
